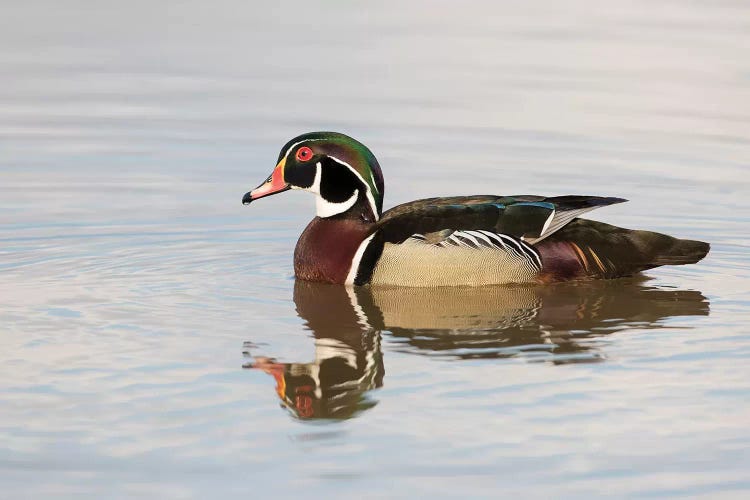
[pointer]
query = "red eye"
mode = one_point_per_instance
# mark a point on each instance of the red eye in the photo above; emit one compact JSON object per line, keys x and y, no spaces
{"x":304,"y":153}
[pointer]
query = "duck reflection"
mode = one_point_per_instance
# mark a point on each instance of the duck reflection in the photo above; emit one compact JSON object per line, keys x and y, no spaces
{"x":554,"y":323}
{"x":557,"y":323}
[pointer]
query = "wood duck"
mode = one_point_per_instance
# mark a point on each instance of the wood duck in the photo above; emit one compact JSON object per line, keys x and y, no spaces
{"x":460,"y":240}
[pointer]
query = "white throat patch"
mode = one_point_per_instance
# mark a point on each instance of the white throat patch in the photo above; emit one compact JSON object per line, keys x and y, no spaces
{"x":325,"y":208}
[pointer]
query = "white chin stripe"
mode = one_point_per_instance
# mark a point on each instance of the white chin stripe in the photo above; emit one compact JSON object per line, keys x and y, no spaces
{"x":324,"y":208}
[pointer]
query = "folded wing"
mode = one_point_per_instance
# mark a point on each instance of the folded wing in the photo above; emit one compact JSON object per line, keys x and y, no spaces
{"x":527,"y":217}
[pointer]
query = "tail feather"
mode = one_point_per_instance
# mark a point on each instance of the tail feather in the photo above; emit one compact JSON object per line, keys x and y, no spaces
{"x":605,"y":251}
{"x":682,"y":252}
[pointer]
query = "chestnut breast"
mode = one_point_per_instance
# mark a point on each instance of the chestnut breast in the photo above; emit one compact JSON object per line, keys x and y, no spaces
{"x":326,"y":248}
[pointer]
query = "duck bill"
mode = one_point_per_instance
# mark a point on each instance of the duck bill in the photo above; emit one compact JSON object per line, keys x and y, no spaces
{"x":274,"y":184}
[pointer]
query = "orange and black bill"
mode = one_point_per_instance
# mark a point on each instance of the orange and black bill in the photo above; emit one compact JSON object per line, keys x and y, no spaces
{"x":274,"y":184}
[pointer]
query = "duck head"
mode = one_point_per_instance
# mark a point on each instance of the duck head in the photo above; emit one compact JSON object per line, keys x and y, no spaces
{"x":342,"y":173}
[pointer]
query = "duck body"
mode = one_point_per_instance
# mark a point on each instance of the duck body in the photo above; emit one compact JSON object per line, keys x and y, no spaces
{"x":451,"y":241}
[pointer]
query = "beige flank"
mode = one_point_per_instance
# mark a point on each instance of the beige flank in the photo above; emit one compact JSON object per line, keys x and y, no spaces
{"x":418,"y":263}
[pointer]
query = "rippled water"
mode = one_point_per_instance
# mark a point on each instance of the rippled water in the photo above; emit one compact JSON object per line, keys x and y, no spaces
{"x":155,"y":343}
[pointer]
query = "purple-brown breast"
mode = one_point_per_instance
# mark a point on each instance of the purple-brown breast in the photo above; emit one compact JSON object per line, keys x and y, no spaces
{"x":326,"y":248}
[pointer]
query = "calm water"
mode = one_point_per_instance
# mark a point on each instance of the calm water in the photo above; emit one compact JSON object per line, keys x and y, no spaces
{"x":155,"y":343}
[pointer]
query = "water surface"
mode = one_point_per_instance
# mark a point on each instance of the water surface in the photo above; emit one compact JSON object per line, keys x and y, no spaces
{"x":155,"y":343}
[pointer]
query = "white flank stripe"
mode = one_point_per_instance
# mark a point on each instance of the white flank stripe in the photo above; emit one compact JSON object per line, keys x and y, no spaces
{"x":532,"y":253}
{"x":537,"y":257}
{"x":352,"y":275}
{"x":459,"y":242}
{"x":507,"y":243}
{"x":493,"y":236}
{"x":468,"y":236}
{"x":481,"y":235}
{"x":513,"y":242}
{"x":526,"y":251}
{"x":502,"y":243}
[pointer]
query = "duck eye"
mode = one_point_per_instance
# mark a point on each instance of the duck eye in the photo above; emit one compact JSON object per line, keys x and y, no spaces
{"x":304,"y":153}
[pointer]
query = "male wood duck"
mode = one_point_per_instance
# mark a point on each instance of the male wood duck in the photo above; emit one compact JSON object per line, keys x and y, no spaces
{"x":460,"y":240}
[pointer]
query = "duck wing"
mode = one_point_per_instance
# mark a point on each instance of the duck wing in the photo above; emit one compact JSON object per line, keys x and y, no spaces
{"x":526,"y":217}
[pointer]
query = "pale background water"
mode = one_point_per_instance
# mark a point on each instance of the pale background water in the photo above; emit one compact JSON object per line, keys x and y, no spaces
{"x":135,"y":286}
